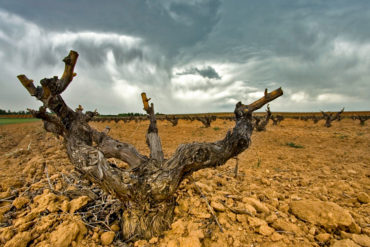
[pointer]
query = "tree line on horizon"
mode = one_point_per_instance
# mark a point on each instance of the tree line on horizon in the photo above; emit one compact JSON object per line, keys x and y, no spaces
{"x":9,"y":112}
{"x":26,"y":112}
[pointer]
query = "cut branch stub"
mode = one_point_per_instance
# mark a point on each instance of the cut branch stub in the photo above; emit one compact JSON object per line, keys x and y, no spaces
{"x":147,"y":108}
{"x":53,"y":86}
{"x":70,"y":62}
{"x":152,"y":138}
{"x":28,"y":84}
{"x":264,"y":100}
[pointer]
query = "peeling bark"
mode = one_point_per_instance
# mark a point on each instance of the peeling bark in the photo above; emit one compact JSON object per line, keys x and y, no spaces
{"x":152,"y":137}
{"x":146,"y":189}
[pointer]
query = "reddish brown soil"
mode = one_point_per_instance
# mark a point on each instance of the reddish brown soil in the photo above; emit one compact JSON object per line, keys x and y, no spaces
{"x":313,"y":195}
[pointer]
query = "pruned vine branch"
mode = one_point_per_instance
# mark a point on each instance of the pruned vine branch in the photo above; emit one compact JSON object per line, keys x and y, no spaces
{"x":268,"y":97}
{"x":152,"y":138}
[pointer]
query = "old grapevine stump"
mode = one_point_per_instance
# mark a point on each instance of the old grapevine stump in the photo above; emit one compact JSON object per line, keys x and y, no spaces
{"x":330,"y":117}
{"x":146,"y":189}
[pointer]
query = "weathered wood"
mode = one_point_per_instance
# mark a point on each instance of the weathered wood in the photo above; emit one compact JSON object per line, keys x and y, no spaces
{"x":147,"y":188}
{"x":264,"y":100}
{"x":112,"y":148}
{"x":152,"y":138}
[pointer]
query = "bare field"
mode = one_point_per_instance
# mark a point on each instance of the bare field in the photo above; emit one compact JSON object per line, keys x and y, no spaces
{"x":299,"y":184}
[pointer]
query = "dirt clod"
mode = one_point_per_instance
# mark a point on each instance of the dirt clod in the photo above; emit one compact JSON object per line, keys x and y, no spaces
{"x":265,"y":230}
{"x":107,"y":238}
{"x":363,"y":197}
{"x":361,"y":239}
{"x":345,"y":243}
{"x":19,"y":202}
{"x":78,"y":203}
{"x":19,"y":240}
{"x":327,"y":214}
{"x":323,"y":237}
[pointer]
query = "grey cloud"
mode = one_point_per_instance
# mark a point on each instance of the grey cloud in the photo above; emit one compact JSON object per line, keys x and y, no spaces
{"x":308,"y":47}
{"x":283,"y":28}
{"x":293,"y":45}
{"x":207,"y":72}
{"x":150,"y":20}
{"x":107,"y":66}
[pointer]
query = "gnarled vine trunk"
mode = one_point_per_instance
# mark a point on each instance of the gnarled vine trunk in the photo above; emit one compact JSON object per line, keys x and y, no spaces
{"x":146,"y":189}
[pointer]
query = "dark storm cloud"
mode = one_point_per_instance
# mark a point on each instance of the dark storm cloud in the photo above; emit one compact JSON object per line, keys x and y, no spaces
{"x":207,"y":72}
{"x":299,"y":28}
{"x":111,"y":67}
{"x":169,"y":24}
{"x":315,"y":47}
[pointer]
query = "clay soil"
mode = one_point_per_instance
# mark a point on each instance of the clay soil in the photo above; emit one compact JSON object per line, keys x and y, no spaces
{"x":299,"y":184}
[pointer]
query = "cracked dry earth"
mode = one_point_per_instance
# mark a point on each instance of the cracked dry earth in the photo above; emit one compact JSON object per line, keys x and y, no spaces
{"x":299,"y":184}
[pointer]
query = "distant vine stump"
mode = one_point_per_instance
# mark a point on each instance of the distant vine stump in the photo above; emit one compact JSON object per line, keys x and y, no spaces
{"x":274,"y":120}
{"x":280,"y":118}
{"x":260,"y":125}
{"x":363,"y":119}
{"x":173,"y":120}
{"x":147,"y":187}
{"x":315,"y":119}
{"x":330,"y":117}
{"x":206,"y":120}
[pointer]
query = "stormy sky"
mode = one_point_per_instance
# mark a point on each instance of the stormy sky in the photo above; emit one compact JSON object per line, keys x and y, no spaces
{"x":190,"y":55}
